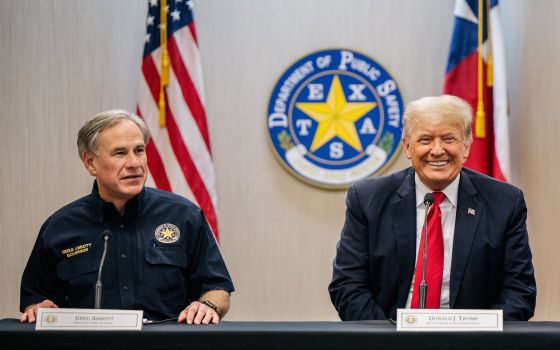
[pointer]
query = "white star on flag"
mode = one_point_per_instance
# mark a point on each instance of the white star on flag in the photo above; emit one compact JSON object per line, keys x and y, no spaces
{"x":176,"y":15}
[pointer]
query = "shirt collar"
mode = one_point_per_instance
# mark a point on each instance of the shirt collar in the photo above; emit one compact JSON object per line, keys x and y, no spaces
{"x":451,"y":191}
{"x":106,"y":211}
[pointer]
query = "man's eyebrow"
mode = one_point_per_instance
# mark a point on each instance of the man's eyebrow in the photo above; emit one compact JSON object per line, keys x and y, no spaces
{"x":424,"y":135}
{"x":118,"y":148}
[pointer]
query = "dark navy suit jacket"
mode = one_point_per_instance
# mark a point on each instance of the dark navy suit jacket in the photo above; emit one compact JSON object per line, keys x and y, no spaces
{"x":491,"y":264}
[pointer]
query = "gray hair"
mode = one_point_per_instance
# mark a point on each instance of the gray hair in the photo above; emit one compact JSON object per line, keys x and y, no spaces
{"x":88,"y":136}
{"x":453,"y":109}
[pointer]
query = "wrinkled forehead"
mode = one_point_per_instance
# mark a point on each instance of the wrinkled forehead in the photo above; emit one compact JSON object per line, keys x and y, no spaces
{"x":436,"y":120}
{"x":124,"y":133}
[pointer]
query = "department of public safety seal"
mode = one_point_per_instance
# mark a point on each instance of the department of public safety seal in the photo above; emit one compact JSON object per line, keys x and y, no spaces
{"x":335,"y":117}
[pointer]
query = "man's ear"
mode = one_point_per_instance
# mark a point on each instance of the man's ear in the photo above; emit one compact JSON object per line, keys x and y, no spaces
{"x":89,"y":164}
{"x":406,"y":147}
{"x":467,"y":151}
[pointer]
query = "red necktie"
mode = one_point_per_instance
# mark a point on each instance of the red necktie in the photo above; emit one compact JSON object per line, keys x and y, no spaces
{"x":434,"y":264}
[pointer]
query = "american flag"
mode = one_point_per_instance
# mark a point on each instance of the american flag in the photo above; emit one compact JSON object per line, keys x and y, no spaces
{"x":476,"y":72}
{"x":179,"y":153}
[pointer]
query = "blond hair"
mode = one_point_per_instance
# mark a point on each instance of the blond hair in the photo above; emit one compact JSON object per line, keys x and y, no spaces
{"x":452,"y":109}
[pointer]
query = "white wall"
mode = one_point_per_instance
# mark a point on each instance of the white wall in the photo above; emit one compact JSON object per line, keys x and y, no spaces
{"x":63,"y":61}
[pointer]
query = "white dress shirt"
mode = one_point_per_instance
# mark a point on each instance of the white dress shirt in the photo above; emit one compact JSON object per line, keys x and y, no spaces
{"x":448,"y":214}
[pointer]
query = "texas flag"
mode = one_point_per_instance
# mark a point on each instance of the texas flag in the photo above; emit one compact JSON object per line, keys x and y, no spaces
{"x":476,"y":72}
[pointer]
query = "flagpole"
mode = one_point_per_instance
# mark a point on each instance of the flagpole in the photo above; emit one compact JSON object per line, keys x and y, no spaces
{"x":480,"y":129}
{"x":164,"y":80}
{"x":489,"y":59}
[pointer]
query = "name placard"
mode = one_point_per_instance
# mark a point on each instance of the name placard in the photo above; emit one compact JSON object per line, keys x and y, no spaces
{"x":449,"y":320}
{"x":88,"y":319}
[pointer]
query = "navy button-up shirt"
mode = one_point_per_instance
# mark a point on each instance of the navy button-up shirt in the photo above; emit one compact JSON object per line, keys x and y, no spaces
{"x":161,"y":256}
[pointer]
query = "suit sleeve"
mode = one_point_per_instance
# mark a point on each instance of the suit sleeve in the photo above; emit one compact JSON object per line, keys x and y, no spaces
{"x":519,"y":291}
{"x":349,"y":289}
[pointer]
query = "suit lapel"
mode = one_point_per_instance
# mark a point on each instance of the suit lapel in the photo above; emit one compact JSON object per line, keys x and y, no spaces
{"x":469,"y":211}
{"x":403,"y":211}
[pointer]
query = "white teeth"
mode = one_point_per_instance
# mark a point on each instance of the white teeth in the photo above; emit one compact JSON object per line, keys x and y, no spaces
{"x":438,"y":163}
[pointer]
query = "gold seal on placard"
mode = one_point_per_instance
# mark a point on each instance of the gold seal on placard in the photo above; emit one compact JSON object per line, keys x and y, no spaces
{"x":50,"y":319}
{"x":410,"y":319}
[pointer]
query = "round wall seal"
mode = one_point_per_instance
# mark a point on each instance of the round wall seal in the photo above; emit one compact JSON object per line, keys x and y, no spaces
{"x":335,"y":117}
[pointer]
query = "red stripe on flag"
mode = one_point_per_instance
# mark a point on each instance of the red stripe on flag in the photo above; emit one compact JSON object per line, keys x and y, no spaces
{"x":191,"y":173}
{"x":155,"y":164}
{"x":192,"y":29}
{"x":182,"y":154}
{"x":189,"y":91}
{"x":152,"y":77}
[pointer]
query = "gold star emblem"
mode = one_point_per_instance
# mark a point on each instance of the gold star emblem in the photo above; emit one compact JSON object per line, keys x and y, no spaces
{"x":167,"y":233}
{"x":336,"y":117}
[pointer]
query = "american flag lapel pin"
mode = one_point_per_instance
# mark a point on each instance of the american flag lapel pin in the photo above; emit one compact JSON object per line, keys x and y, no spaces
{"x":471,"y":211}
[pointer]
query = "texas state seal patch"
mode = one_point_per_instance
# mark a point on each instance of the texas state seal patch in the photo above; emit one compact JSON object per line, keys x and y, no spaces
{"x":167,"y":233}
{"x":335,"y":117}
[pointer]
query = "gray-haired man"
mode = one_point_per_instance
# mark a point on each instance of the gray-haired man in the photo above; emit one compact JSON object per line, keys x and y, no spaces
{"x":162,"y":256}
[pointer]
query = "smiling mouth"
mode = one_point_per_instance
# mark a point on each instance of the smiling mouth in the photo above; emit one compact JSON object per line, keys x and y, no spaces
{"x":438,"y":163}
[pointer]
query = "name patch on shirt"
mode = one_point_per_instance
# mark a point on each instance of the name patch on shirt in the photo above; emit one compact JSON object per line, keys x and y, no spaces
{"x":167,"y":233}
{"x":79,"y":249}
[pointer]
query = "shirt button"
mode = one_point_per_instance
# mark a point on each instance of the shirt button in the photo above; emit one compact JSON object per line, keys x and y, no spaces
{"x":121,"y":226}
{"x":123,"y":256}
{"x":125,"y":287}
